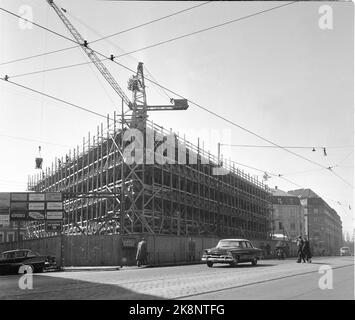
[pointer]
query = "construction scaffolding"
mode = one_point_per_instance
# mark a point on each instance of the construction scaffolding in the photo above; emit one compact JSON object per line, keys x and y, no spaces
{"x":105,"y":194}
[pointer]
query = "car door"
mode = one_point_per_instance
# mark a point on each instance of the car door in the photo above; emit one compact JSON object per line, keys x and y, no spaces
{"x":244,"y":251}
{"x":251,"y":250}
{"x":34,"y":259}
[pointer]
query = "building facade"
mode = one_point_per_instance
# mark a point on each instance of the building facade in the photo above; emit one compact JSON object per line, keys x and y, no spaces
{"x":287,"y":214}
{"x":322,"y":223}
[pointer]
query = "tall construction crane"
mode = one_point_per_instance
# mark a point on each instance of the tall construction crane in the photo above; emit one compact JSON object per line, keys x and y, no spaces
{"x":136,"y":84}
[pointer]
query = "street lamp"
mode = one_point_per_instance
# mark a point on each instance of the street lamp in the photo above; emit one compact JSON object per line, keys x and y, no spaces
{"x":307,"y":221}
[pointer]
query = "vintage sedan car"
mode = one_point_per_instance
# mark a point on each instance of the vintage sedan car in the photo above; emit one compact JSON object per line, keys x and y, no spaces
{"x":232,"y":251}
{"x":345,"y":251}
{"x":21,"y":260}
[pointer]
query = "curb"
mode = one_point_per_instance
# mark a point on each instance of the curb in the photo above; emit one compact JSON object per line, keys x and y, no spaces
{"x":115,"y":268}
{"x":98,"y":268}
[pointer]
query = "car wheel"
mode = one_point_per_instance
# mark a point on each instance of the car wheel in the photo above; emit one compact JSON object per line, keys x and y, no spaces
{"x":209,"y":264}
{"x":254,"y":262}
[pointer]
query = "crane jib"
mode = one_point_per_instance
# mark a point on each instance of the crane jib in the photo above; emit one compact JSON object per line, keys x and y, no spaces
{"x":138,"y":88}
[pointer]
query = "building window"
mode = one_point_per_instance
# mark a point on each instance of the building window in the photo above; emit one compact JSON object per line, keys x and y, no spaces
{"x":315,"y":210}
{"x":280,"y":225}
{"x":293,"y":226}
{"x":1,"y":237}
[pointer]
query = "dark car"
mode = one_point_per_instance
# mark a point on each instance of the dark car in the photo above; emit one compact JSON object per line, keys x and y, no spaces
{"x":15,"y":260}
{"x":232,"y":251}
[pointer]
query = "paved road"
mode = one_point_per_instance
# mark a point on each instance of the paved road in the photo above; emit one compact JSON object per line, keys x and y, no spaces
{"x":270,"y":279}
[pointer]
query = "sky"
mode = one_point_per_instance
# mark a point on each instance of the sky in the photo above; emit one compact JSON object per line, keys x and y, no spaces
{"x":277,"y":74}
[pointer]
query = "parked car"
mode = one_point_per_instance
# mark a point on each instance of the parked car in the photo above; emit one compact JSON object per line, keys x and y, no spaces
{"x":345,"y":251}
{"x":232,"y":251}
{"x":14,"y":261}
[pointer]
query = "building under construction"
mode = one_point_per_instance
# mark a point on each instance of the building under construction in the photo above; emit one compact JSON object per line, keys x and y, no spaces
{"x":107,"y":193}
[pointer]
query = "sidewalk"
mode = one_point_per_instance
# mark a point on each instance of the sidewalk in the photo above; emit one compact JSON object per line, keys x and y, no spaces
{"x":167,"y":264}
{"x":115,"y":268}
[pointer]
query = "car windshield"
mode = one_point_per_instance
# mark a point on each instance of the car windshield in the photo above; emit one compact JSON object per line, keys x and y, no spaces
{"x":230,"y":243}
{"x":13,"y":254}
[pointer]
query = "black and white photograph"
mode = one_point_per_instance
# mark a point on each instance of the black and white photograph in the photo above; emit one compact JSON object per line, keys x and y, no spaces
{"x":177,"y":156}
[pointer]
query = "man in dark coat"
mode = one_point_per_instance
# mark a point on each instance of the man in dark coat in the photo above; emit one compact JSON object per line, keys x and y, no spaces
{"x":141,"y":255}
{"x":306,"y":250}
{"x":300,"y":249}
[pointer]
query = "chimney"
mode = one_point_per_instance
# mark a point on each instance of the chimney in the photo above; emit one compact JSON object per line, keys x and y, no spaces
{"x":275,"y":187}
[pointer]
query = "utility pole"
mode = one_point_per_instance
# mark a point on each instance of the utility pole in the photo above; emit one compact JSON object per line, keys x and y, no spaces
{"x":218,"y":193}
{"x":307,"y":219}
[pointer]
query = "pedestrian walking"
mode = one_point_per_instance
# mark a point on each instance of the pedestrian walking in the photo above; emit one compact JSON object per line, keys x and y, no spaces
{"x":300,"y":250}
{"x":141,"y":256}
{"x":306,"y":250}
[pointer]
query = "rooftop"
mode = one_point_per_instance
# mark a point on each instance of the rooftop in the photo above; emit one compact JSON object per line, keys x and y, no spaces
{"x":280,"y":193}
{"x":303,"y":193}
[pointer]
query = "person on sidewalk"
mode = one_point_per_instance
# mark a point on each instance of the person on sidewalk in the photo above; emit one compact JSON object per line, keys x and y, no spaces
{"x":300,"y":249}
{"x":306,"y":249}
{"x":141,"y":256}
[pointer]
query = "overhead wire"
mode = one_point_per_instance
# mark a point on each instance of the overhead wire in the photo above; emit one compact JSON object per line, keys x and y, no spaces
{"x":34,"y":140}
{"x":90,"y":111}
{"x":280,"y":176}
{"x":55,"y":98}
{"x":149,"y":46}
{"x":196,"y":104}
{"x":109,"y":36}
{"x":289,"y":147}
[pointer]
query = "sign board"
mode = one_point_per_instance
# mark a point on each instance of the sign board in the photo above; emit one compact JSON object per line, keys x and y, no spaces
{"x":36,"y":206}
{"x":53,"y":196}
{"x":18,"y":205}
{"x":54,"y":205}
{"x":32,"y":206}
{"x":36,"y":197}
{"x":4,"y":217}
{"x":54,"y":226}
{"x":17,"y":215}
{"x":18,"y":196}
{"x":129,"y":242}
{"x":5,"y":200}
{"x":36,"y":215}
{"x":54,"y":215}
